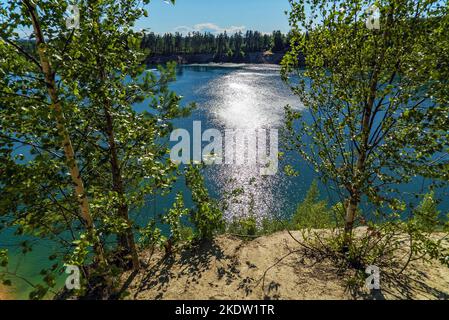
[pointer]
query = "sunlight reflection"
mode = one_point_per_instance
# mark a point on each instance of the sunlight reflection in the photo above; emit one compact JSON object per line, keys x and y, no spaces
{"x":248,"y":98}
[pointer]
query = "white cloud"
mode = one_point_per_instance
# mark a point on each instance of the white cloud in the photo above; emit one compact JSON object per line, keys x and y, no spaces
{"x":209,"y":27}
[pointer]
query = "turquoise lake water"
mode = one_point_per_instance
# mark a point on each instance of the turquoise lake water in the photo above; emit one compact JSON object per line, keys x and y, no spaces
{"x":248,"y":97}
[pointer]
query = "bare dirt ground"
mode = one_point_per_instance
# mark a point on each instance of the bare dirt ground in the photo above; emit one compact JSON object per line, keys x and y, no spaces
{"x":6,"y":293}
{"x":231,"y":268}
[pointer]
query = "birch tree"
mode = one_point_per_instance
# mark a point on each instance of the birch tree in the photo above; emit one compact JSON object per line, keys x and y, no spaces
{"x":76,"y":158}
{"x":375,"y":97}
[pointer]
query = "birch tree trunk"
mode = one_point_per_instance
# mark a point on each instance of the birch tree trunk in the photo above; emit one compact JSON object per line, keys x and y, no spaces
{"x":128,"y":239}
{"x":366,"y":127}
{"x":49,"y":75}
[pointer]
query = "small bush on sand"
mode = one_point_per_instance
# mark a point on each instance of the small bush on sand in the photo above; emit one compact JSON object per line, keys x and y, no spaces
{"x":312,"y":212}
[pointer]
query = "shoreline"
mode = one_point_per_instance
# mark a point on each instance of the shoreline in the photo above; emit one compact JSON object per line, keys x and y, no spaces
{"x":204,"y":58}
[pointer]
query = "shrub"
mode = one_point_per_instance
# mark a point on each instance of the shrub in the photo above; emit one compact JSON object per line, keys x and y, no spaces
{"x":313,"y":213}
{"x":426,"y":215}
{"x":273,"y":225}
{"x":173,"y":219}
{"x":206,"y":216}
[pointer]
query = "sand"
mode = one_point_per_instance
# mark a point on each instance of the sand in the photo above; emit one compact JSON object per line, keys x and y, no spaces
{"x":231,"y":268}
{"x":6,"y":293}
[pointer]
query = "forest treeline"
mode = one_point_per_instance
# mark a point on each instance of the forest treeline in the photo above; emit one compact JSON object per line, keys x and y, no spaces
{"x":234,"y":45}
{"x":223,"y":47}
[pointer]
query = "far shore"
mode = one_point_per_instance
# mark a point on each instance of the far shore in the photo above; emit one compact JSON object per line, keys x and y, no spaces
{"x":202,"y":58}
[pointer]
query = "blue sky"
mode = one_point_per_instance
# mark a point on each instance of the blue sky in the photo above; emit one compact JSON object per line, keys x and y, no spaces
{"x":216,"y":16}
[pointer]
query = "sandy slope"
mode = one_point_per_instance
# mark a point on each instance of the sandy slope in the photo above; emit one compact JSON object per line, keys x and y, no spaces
{"x":5,"y":293}
{"x":230,"y":268}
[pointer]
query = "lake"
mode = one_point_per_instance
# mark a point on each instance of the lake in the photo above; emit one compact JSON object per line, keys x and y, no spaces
{"x":250,"y":97}
{"x":247,"y":97}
